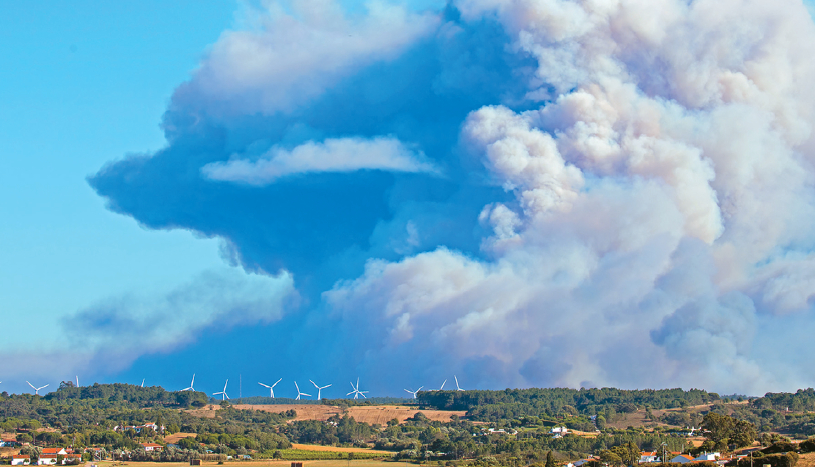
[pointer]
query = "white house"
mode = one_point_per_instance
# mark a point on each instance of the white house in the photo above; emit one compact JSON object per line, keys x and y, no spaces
{"x":559,"y":431}
{"x":47,"y":459}
{"x":152,"y":447}
{"x":19,"y":459}
{"x":646,"y":457}
{"x":54,"y":451}
{"x":708,"y":456}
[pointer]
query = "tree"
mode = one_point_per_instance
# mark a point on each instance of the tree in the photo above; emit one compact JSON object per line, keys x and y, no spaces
{"x":601,"y":422}
{"x":610,"y":457}
{"x":722,"y":430}
{"x":550,"y":460}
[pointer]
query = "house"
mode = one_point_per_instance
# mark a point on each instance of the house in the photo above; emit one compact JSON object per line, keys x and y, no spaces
{"x":648,"y":456}
{"x":708,"y":456}
{"x":152,"y":447}
{"x":20,"y":459}
{"x":72,"y":459}
{"x":682,"y":459}
{"x":139,"y":428}
{"x":54,"y":451}
{"x":48,"y":459}
{"x":559,"y":431}
{"x":8,"y":443}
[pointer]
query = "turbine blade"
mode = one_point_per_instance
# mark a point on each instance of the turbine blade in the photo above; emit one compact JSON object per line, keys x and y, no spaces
{"x":275,"y":384}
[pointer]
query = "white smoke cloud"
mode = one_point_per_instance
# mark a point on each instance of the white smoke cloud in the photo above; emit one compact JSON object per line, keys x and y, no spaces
{"x":663,"y":205}
{"x":332,"y":155}
{"x":112,"y":333}
{"x":292,"y":55}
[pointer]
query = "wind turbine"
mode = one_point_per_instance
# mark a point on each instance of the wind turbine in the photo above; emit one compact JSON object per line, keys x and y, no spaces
{"x":356,"y":392}
{"x":142,"y":382}
{"x":223,"y":394}
{"x":414,"y":392}
{"x":442,"y":385}
{"x":192,"y":383}
{"x":300,"y":393}
{"x":319,"y":388}
{"x":37,"y":390}
{"x":271,"y":388}
{"x":457,"y":387}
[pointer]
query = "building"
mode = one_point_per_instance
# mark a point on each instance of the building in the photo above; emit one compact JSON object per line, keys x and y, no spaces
{"x":152,"y":447}
{"x":559,"y":431}
{"x":48,"y":459}
{"x":9,"y":443}
{"x":19,"y":459}
{"x":647,"y":457}
{"x":139,"y":428}
{"x":54,"y":451}
{"x":682,"y":459}
{"x":708,"y":456}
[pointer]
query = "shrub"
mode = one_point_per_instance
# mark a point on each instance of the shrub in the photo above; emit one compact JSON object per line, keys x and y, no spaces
{"x":807,"y":446}
{"x":779,"y":447}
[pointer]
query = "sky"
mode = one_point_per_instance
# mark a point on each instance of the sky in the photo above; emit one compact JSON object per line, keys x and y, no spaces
{"x":569,"y":193}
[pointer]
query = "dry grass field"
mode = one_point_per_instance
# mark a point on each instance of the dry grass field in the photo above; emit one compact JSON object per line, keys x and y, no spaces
{"x":175,"y":437}
{"x":373,"y":414}
{"x":257,"y":463}
{"x":805,"y":460}
{"x":315,"y":447}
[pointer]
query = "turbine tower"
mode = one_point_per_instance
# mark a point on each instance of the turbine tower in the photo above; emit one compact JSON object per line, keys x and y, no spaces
{"x":299,"y":393}
{"x":414,"y":392}
{"x":223,"y":394}
{"x":319,"y":388}
{"x":142,"y":382}
{"x":356,"y":392}
{"x":192,"y":383}
{"x":77,"y":381}
{"x":457,"y":387}
{"x":271,"y":388}
{"x":37,"y":390}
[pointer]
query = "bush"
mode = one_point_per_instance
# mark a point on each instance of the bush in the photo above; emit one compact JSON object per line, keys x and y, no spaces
{"x":807,"y":446}
{"x":779,"y":447}
{"x":774,"y":460}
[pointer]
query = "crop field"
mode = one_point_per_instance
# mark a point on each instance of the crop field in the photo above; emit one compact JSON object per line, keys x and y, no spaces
{"x":372,"y":414}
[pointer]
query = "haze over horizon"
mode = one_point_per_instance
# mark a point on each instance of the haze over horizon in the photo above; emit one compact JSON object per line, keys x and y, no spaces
{"x":573,"y":193}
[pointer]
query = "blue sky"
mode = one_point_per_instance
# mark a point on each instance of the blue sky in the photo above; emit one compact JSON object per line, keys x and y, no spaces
{"x":322,"y":190}
{"x":85,"y":83}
